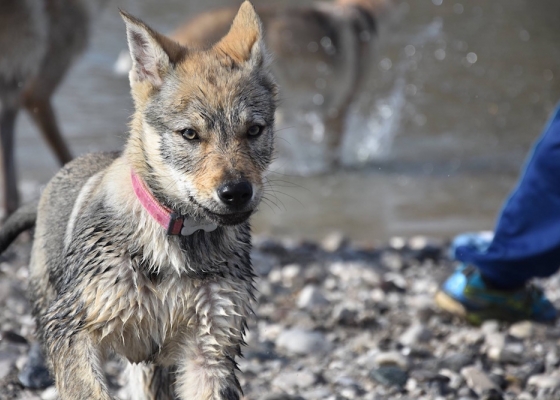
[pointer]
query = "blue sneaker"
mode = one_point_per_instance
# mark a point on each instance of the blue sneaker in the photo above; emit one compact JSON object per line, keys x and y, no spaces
{"x":466,"y":294}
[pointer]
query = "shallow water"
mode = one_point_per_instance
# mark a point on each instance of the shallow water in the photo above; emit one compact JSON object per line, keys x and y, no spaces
{"x":459,"y":91}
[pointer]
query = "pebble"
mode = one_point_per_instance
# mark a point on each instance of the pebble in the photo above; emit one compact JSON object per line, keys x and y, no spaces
{"x":415,"y":334}
{"x":296,"y":379}
{"x":478,"y":381}
{"x":334,"y":242}
{"x":545,"y":381}
{"x":311,"y":298}
{"x":456,"y":361}
{"x":299,"y":341}
{"x":5,"y":368}
{"x":338,"y":322}
{"x":390,"y":376}
{"x":391,"y":358}
{"x":522,"y":330}
{"x":49,"y":394}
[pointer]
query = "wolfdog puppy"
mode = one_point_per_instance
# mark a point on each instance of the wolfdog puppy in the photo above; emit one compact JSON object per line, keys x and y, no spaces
{"x":146,"y":253}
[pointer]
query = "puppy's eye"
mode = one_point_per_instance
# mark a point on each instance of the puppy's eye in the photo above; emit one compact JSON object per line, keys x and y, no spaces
{"x":189,"y":134}
{"x":255,"y":130}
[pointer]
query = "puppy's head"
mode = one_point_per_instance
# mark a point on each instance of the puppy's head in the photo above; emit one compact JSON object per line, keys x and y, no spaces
{"x":204,"y":118}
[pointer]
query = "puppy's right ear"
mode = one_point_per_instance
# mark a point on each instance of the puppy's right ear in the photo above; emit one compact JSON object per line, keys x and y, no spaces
{"x":152,"y":53}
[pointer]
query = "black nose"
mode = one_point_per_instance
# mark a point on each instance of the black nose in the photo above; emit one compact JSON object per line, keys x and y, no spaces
{"x":236,"y":194}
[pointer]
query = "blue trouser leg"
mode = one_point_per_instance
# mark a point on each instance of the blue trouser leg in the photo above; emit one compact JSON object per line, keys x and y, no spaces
{"x":526,"y":240}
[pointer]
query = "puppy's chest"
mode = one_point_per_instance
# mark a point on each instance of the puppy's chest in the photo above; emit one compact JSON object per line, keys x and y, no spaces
{"x":141,"y":314}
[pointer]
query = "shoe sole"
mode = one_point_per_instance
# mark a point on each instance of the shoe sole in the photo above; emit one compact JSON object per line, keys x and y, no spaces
{"x":449,"y":304}
{"x":452,"y":306}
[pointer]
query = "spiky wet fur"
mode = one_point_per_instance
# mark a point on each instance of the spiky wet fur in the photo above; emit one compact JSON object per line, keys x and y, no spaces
{"x":105,"y":277}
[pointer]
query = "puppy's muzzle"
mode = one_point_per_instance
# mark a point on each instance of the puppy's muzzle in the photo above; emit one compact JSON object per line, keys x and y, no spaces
{"x":236,"y":195}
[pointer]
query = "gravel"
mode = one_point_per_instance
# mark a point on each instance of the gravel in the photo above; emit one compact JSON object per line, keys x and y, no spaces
{"x":336,"y":320}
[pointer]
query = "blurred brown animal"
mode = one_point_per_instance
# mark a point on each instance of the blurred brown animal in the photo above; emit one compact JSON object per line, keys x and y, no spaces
{"x":321,"y":54}
{"x":39,"y":40}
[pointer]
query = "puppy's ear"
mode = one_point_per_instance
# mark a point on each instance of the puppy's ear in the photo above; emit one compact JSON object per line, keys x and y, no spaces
{"x":152,"y":53}
{"x":244,"y":42}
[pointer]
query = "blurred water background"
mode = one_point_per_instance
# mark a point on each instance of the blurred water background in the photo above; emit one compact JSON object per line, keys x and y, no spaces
{"x":459,"y":91}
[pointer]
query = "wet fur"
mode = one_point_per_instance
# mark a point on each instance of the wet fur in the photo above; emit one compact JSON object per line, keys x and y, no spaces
{"x":106,"y":278}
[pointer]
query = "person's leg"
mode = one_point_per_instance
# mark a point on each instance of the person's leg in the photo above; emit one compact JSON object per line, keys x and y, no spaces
{"x":526,"y":241}
{"x":491,"y":282}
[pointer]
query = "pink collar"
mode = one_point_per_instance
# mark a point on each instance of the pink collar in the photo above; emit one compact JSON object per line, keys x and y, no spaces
{"x":173,"y":223}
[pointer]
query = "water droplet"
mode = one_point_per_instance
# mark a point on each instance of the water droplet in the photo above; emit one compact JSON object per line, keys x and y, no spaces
{"x":385,"y":111}
{"x":411,"y":89}
{"x":385,"y":64}
{"x":439,"y":54}
{"x":326,"y":41}
{"x":437,"y":2}
{"x":318,"y":99}
{"x":458,"y":8}
{"x":524,"y":35}
{"x":312,"y":47}
{"x":409,"y":50}
{"x":461,"y":46}
{"x":472,"y":57}
{"x":548,"y":75}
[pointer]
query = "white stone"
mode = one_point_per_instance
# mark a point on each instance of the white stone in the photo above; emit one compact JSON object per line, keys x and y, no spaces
{"x":296,"y":379}
{"x":391,"y":358}
{"x":302,"y":342}
{"x":311,"y":297}
{"x":49,"y":393}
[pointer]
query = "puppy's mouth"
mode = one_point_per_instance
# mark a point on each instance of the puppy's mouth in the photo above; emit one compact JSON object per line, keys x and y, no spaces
{"x":230,"y":219}
{"x":224,"y":219}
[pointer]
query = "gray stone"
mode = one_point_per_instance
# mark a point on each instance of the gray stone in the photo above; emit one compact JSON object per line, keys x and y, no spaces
{"x":6,"y":366}
{"x":334,"y":242}
{"x":297,"y":379}
{"x":35,"y":374}
{"x":390,"y":376}
{"x":299,"y":341}
{"x":415,"y":334}
{"x":478,"y":381}
{"x":311,"y":297}
{"x":391,"y":358}
{"x":522,"y":330}
{"x":456,"y":362}
{"x":545,"y":381}
{"x":49,"y":394}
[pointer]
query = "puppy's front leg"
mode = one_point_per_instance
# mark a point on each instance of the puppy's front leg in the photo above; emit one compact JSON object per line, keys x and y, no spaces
{"x":208,"y":373}
{"x":206,"y":369}
{"x":76,"y":365}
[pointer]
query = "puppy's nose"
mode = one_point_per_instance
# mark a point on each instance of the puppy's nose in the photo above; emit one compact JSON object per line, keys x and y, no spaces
{"x":236,"y":194}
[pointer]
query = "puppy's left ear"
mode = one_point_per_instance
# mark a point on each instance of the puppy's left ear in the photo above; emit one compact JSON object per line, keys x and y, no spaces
{"x":243,"y":42}
{"x":152,"y":53}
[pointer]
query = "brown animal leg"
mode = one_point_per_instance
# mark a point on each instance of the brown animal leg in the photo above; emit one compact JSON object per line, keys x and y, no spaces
{"x":7,"y":122}
{"x":334,"y":132}
{"x":43,"y":115}
{"x":76,"y":363}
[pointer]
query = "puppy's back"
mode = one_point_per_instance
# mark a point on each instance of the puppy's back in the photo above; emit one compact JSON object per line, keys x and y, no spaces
{"x":54,"y":213}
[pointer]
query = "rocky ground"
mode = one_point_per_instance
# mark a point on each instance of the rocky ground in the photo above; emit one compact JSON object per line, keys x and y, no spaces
{"x":341,"y":321}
